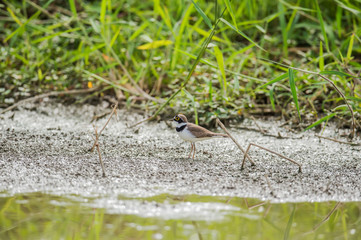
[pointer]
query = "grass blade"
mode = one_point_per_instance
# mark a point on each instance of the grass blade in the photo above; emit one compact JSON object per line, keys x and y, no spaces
{"x":350,"y":46}
{"x":219,"y":57}
{"x":282,"y":19}
{"x":230,"y":10}
{"x":54,"y":35}
{"x":289,"y":224}
{"x":206,"y":34}
{"x":272,"y":98}
{"x":204,"y":16}
{"x":354,"y":99}
{"x":342,"y":74}
{"x":320,"y":121}
{"x":277,"y":79}
{"x":109,"y":82}
{"x":322,"y":24}
{"x":103,"y":10}
{"x":16,"y":19}
{"x":139,"y":31}
{"x":241,"y":33}
{"x":293,"y":90}
{"x":154,"y":44}
{"x":73,"y":8}
{"x":321,"y":60}
{"x":192,"y":98}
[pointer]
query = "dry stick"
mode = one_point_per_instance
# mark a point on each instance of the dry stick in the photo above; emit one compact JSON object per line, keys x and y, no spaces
{"x":47,"y":95}
{"x":339,"y":141}
{"x":97,"y":135}
{"x":278,"y":154}
{"x":234,"y":140}
{"x":327,"y":217}
{"x":269,"y":184}
{"x":253,"y":206}
{"x":197,"y":229}
{"x":259,"y":127}
{"x":96,"y":143}
{"x":114,"y":111}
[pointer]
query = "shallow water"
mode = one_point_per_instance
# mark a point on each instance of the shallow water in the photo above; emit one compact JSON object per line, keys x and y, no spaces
{"x":43,"y":216}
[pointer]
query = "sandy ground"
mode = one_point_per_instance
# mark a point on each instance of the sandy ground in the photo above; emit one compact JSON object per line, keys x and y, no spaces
{"x":45,"y":147}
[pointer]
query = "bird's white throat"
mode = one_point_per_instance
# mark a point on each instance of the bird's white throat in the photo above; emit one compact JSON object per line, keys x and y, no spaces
{"x":178,"y":125}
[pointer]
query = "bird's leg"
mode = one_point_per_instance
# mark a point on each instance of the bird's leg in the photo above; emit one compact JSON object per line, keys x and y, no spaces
{"x":194,"y":149}
{"x":189,"y":156}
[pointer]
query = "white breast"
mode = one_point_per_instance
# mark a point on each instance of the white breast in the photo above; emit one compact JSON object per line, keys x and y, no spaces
{"x":186,"y":135}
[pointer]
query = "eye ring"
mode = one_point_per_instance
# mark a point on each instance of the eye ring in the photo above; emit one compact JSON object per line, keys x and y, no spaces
{"x":176,"y":118}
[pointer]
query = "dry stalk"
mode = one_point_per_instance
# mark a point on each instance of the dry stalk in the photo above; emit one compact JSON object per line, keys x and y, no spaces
{"x":259,"y":127}
{"x":97,"y":135}
{"x":255,"y":205}
{"x":31,"y":99}
{"x":278,"y":154}
{"x":96,"y":144}
{"x":234,"y":140}
{"x":111,"y":114}
{"x":253,"y":144}
{"x":339,"y":141}
{"x":327,"y":217}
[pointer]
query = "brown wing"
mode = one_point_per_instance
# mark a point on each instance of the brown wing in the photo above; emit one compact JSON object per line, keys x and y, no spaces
{"x":201,"y":132}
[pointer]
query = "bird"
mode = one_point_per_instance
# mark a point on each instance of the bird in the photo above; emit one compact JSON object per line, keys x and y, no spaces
{"x":192,"y":133}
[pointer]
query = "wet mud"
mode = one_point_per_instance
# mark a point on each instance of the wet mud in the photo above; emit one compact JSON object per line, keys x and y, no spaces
{"x":45,"y":148}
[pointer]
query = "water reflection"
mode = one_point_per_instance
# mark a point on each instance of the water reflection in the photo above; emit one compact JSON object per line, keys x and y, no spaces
{"x":34,"y":216}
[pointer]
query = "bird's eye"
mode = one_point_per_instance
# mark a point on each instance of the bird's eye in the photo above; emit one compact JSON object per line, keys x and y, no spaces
{"x":176,"y":118}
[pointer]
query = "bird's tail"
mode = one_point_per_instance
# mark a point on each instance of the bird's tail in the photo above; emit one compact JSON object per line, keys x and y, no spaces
{"x":220,"y":135}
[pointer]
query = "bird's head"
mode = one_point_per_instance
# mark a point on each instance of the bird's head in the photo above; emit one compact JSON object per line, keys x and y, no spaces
{"x":179,"y":120}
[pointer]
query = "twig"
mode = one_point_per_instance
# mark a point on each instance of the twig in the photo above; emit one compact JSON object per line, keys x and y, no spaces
{"x":259,"y":127}
{"x":234,"y":140}
{"x":278,"y":154}
{"x":269,"y":184}
{"x":327,"y":217}
{"x":96,"y":117}
{"x":96,"y":143}
{"x":111,"y":114}
{"x":77,"y":91}
{"x":267,"y":210}
{"x":197,"y":229}
{"x":142,"y":121}
{"x":253,"y":206}
{"x":339,"y":141}
{"x":97,"y":135}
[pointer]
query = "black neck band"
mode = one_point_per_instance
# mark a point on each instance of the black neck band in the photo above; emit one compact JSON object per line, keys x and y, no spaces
{"x":180,"y":128}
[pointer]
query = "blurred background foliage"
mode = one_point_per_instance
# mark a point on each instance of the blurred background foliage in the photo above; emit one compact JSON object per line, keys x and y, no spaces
{"x":140,"y":52}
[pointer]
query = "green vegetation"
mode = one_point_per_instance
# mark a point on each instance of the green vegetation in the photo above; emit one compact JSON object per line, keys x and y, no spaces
{"x":295,"y":59}
{"x":39,"y":216}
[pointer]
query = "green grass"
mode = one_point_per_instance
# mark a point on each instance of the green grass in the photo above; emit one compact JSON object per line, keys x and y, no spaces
{"x":222,"y":58}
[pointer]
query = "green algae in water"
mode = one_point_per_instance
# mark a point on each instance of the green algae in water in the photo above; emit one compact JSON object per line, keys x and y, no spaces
{"x":43,"y":216}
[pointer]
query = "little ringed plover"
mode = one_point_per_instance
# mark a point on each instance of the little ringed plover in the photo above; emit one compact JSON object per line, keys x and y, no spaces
{"x":193,"y":133}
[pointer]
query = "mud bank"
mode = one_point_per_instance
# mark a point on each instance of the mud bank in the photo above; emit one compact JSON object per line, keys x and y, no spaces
{"x":45,"y":148}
